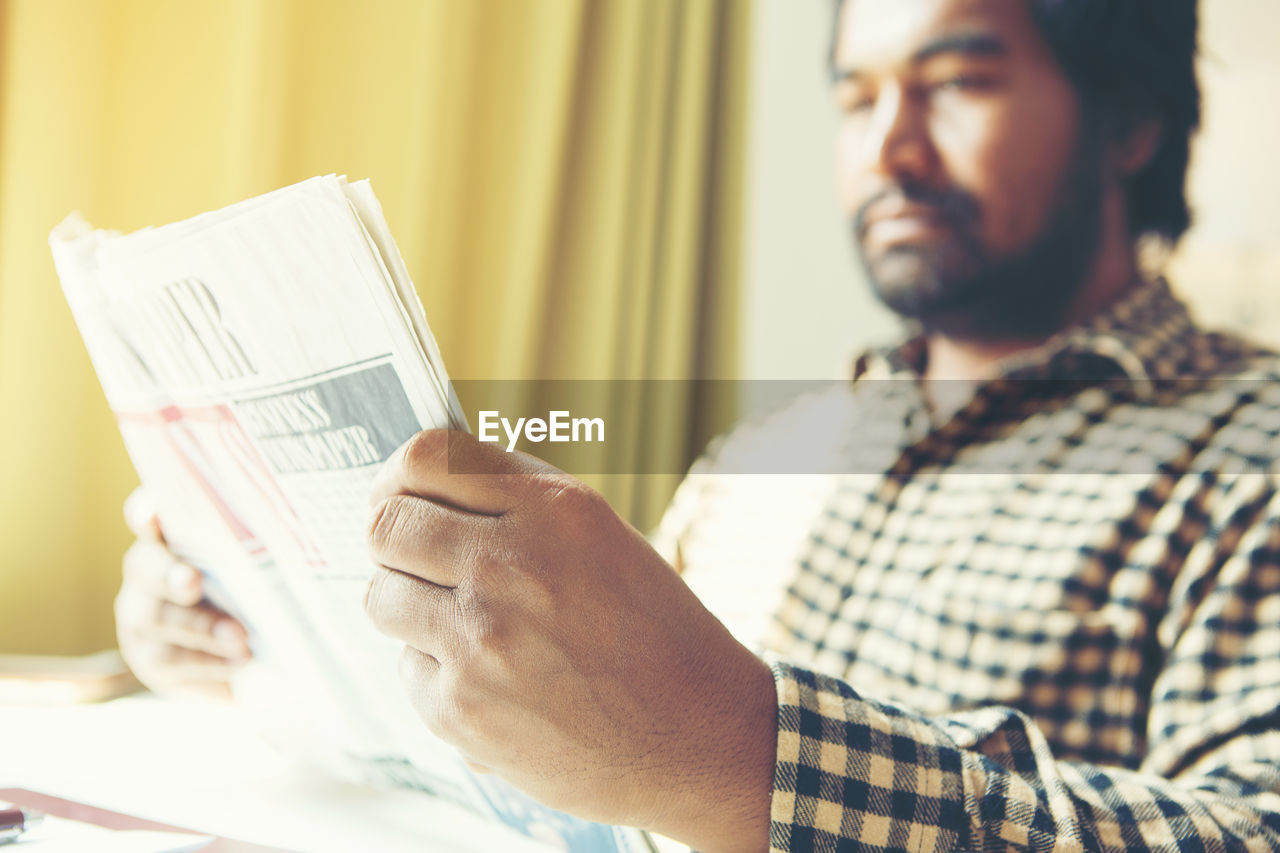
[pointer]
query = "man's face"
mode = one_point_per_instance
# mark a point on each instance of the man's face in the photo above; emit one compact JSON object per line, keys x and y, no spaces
{"x":965,"y":164}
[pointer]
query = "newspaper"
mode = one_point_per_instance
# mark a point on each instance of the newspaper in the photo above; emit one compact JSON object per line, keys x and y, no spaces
{"x":262,"y":361}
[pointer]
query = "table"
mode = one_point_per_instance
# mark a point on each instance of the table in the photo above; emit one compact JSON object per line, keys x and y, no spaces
{"x":71,"y":810}
{"x":204,"y":767}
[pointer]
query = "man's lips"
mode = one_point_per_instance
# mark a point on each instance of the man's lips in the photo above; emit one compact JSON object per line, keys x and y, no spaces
{"x":894,"y":224}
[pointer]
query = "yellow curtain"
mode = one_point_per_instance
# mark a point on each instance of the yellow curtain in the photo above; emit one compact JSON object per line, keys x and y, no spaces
{"x":561,"y":176}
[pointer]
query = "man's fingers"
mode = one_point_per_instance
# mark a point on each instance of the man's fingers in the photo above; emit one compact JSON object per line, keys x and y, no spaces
{"x":202,"y":629}
{"x":427,"y":540}
{"x":419,"y":673}
{"x":150,"y":565}
{"x":422,"y":615}
{"x":145,"y":563}
{"x":185,"y":664}
{"x":140,"y":515}
{"x":432,"y":691}
{"x":175,"y":670}
{"x":455,"y":468}
{"x":183,"y":584}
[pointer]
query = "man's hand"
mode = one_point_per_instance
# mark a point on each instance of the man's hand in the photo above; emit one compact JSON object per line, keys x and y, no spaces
{"x":550,"y":644}
{"x":172,"y":639}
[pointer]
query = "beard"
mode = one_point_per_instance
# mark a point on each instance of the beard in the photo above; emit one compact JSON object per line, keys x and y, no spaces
{"x":959,"y":287}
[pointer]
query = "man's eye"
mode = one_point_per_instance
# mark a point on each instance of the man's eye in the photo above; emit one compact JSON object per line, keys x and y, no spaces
{"x":855,"y":104}
{"x":852,"y":99}
{"x":961,"y":83}
{"x":859,"y":105}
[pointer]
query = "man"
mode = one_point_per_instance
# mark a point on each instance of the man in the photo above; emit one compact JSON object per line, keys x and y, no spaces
{"x":1041,"y":612}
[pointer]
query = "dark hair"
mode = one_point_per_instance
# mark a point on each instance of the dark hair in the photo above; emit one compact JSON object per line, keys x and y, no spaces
{"x":1131,"y":60}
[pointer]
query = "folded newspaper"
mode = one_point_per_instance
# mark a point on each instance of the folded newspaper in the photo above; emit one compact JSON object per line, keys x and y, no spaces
{"x":262,"y":361}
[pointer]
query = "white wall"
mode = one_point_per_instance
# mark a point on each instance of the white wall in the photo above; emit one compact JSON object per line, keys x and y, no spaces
{"x":1229,"y":268}
{"x":805,"y":305}
{"x":806,"y":309}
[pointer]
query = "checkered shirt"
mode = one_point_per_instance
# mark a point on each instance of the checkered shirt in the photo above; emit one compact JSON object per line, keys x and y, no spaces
{"x":1051,"y":622}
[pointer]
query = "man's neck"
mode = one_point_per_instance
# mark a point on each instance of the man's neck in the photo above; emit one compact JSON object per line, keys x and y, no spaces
{"x":954,"y":368}
{"x":969,"y":360}
{"x":955,"y":365}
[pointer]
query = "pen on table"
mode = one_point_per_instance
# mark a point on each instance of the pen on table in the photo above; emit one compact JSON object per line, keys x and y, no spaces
{"x":15,"y":821}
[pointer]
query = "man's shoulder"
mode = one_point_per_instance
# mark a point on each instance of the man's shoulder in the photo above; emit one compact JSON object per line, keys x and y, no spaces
{"x":1229,"y":356}
{"x":790,"y":427}
{"x":1227,"y":362}
{"x":1224,"y":403}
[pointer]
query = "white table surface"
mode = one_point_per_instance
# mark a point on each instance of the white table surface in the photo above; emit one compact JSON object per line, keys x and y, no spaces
{"x":203,"y":766}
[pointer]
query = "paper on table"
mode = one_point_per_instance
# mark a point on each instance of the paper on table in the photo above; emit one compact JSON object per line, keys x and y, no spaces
{"x":59,"y":835}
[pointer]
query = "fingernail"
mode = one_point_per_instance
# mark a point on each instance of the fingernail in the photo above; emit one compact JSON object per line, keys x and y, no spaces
{"x":231,"y":637}
{"x":180,"y":577}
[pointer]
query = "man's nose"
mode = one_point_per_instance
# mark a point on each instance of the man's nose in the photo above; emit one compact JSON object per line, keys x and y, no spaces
{"x":897,"y":145}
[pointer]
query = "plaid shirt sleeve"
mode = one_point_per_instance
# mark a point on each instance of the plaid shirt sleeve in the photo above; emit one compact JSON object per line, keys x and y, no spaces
{"x":854,"y":773}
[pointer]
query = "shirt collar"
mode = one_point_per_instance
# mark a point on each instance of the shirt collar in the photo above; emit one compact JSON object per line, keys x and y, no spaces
{"x":1146,"y":336}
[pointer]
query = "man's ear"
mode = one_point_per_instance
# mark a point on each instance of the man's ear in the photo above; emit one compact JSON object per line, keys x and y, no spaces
{"x":1135,"y":146}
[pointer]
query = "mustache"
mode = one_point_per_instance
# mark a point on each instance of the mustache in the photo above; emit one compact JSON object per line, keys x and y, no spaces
{"x":952,"y":204}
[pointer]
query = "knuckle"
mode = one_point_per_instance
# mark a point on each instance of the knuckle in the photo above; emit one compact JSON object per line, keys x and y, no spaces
{"x":385,"y":528}
{"x":375,"y":596}
{"x":490,"y":639}
{"x":571,"y":498}
{"x":394,"y":605}
{"x":182,"y":584}
{"x":473,"y":598}
{"x":485,"y":602}
{"x":510,"y":570}
{"x":407,"y":666}
{"x":377,"y":532}
{"x":145,"y":562}
{"x":457,"y":712}
{"x":139,"y":513}
{"x":137,"y":614}
{"x":541,"y":595}
{"x":439,"y":722}
{"x":423,"y":683}
{"x":427,"y":450}
{"x":482,"y":561}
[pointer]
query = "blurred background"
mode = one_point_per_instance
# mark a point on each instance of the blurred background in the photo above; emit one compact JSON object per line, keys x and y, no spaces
{"x":587,"y":189}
